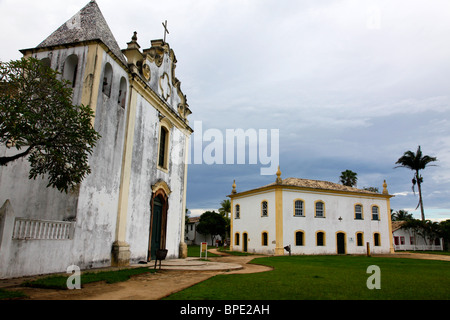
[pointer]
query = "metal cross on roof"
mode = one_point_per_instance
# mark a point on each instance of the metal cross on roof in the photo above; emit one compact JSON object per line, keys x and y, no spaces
{"x":165,"y":30}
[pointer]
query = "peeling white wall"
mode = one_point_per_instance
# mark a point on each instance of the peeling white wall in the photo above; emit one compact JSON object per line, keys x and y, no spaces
{"x":144,"y":174}
{"x":94,"y":205}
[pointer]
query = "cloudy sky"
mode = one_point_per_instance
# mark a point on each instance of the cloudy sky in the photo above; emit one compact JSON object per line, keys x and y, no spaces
{"x":348,"y":84}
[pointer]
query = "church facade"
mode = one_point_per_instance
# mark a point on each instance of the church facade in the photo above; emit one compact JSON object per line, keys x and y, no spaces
{"x":310,"y":217}
{"x":134,"y":201}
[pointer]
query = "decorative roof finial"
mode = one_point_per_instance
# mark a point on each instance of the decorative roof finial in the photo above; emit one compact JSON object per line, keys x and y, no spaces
{"x":385,"y":190}
{"x":279,"y":180}
{"x":234,"y":187}
{"x":133,"y":44}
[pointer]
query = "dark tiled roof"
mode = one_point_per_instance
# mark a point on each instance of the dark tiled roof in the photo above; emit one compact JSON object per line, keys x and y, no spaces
{"x":88,"y":24}
{"x":194,"y":219}
{"x":397,"y":225}
{"x":324,"y":185}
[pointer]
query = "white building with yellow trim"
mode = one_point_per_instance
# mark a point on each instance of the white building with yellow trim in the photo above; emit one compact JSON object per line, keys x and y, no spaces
{"x":312,"y":217}
{"x":134,"y":201}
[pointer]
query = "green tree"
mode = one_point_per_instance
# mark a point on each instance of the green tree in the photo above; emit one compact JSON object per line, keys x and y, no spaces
{"x":348,"y":178}
{"x":401,"y":215}
{"x":37,"y":115}
{"x":372,"y":189}
{"x":444,"y":232}
{"x":416,"y":162}
{"x":225,"y":210}
{"x":211,"y":223}
{"x":187,"y":213}
{"x":427,"y":229}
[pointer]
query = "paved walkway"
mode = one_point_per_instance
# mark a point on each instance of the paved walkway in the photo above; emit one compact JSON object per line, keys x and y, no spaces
{"x":194,"y":264}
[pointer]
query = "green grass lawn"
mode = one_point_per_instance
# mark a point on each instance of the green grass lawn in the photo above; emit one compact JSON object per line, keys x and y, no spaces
{"x":8,"y":294}
{"x":328,"y":277}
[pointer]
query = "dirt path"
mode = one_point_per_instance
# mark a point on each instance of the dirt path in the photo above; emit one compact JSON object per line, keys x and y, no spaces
{"x":412,"y":255}
{"x":153,"y":286}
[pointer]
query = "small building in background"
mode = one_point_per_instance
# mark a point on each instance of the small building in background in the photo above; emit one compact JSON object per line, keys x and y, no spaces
{"x":412,"y":240}
{"x":192,"y":237}
{"x":310,"y":217}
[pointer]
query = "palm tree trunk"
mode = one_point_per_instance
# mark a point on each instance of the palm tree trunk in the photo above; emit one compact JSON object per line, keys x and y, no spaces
{"x":420,"y":195}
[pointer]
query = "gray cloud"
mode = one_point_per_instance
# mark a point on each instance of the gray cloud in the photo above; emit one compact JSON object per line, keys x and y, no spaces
{"x":349,"y":84}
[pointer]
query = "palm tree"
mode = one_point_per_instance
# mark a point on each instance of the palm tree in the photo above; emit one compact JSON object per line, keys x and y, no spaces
{"x":348,"y":178}
{"x":416,"y":162}
{"x":225,"y":208}
{"x":402,"y":215}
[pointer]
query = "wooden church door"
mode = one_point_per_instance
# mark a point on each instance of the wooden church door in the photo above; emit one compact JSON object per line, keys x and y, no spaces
{"x":157,"y":226}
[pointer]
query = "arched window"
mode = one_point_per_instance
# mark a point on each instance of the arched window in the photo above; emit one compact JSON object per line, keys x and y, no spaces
{"x":298,"y":208}
{"x":71,"y":69}
{"x":358,"y":212}
{"x":163,"y":146}
{"x":237,"y":213}
{"x":320,"y":238}
{"x":107,"y":80}
{"x":264,"y":209}
{"x":122,"y":99}
{"x":375,"y":215}
{"x":236,"y":239}
{"x":320,"y":209}
{"x":299,"y":238}
{"x":47,"y":62}
{"x":264,"y":238}
{"x":359,"y":239}
{"x":376,"y":239}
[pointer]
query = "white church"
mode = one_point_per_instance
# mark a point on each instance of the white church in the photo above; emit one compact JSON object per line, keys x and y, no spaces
{"x":310,"y":217}
{"x":134,"y":201}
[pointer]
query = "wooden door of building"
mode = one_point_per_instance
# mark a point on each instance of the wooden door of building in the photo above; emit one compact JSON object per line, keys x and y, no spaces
{"x":340,"y":238}
{"x":245,"y":242}
{"x":157,"y":237}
